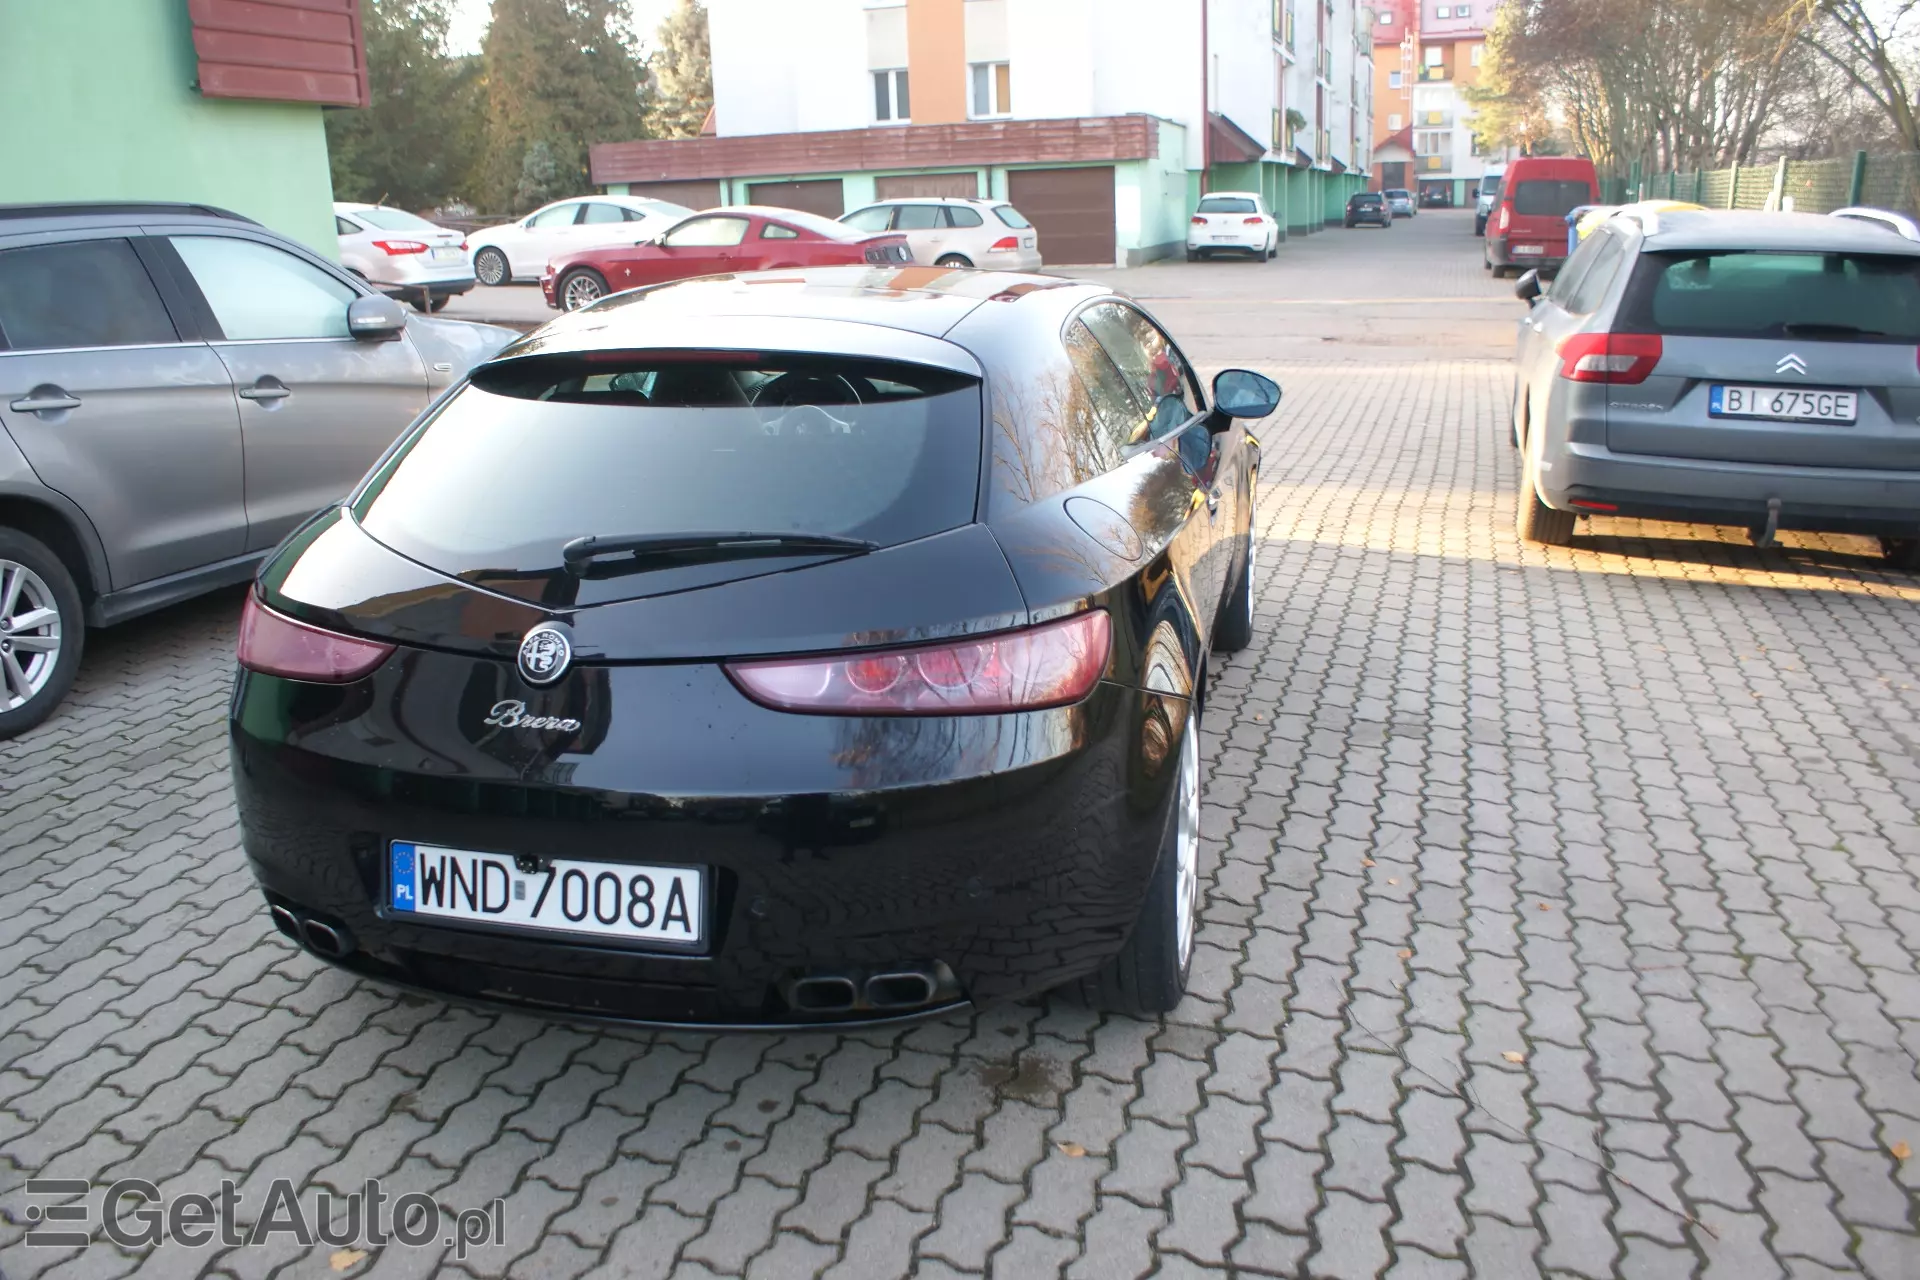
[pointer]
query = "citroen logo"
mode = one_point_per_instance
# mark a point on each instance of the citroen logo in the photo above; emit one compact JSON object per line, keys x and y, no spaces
{"x":1791,"y":363}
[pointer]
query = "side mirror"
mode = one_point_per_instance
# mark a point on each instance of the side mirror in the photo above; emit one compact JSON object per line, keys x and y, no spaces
{"x":1527,"y":287}
{"x":1242,"y":393}
{"x":375,"y":319}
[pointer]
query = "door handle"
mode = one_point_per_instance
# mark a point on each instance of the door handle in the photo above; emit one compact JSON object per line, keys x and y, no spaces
{"x":1213,"y":501}
{"x":44,"y":400}
{"x":265,"y":391}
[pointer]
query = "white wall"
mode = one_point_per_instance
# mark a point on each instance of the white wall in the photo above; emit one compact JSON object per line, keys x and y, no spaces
{"x":1241,"y":50}
{"x":1051,"y":53}
{"x":1147,"y":59}
{"x":786,"y":67}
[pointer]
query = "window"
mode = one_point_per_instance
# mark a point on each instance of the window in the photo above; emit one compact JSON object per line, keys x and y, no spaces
{"x":1395,"y":80}
{"x":1592,"y":288}
{"x":1434,"y":55}
{"x":1432,"y":142}
{"x":1443,"y":12}
{"x":1550,"y":198}
{"x":916,"y":217}
{"x":654,"y":445}
{"x":1011,"y":216}
{"x":341,"y":227}
{"x":774,"y":231}
{"x":1826,"y":296}
{"x":959,"y":215}
{"x":992,"y":89}
{"x":1104,"y":418}
{"x":1394,"y":122}
{"x":260,"y":292}
{"x":1227,"y":204}
{"x":707,"y":232}
{"x":872,"y":218}
{"x":1386,"y":17}
{"x":560,"y":215}
{"x":1148,"y":360}
{"x":91,"y":293}
{"x":395,"y":220}
{"x":1475,"y":52}
{"x":1575,"y":269}
{"x":890,"y":96}
{"x":603,"y":213}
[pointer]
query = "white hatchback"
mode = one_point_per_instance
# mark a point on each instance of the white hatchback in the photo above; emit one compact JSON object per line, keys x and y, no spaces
{"x":518,"y":252}
{"x":1234,"y":222}
{"x":401,"y":254}
{"x":949,"y":231}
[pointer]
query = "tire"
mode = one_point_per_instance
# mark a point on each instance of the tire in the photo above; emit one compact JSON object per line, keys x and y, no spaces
{"x":1233,"y":629}
{"x":1193,"y":255}
{"x":32,"y":581}
{"x":490,"y":267}
{"x":580,"y":287}
{"x":1149,"y":975}
{"x":1534,"y":520}
{"x":952,"y":260}
{"x":1901,"y":553}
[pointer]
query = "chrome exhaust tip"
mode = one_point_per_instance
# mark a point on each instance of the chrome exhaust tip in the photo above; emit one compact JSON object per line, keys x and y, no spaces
{"x":904,"y":989}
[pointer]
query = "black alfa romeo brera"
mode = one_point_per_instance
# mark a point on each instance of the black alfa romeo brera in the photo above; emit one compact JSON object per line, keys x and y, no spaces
{"x":784,"y":649}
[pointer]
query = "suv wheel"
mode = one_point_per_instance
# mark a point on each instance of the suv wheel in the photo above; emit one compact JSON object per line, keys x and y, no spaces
{"x":1901,"y":553}
{"x":952,"y":260}
{"x":1150,"y":974}
{"x":41,"y":632}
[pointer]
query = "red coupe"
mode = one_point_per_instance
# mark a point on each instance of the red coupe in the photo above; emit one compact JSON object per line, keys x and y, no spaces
{"x":718,"y":242}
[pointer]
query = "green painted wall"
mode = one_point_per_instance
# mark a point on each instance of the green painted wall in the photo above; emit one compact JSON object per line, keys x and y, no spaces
{"x":99,"y":105}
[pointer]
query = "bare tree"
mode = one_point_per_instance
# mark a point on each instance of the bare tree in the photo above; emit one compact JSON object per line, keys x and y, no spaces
{"x":1871,"y":44}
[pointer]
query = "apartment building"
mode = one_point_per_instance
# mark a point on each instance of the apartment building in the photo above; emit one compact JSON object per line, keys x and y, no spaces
{"x":1102,"y":120}
{"x":1427,"y":56}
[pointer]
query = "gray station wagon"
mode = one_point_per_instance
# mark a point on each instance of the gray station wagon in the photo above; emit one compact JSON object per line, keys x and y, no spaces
{"x":1751,"y":369}
{"x":179,"y":388}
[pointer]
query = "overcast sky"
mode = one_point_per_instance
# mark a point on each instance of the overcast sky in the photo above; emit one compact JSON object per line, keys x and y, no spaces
{"x":470,"y":21}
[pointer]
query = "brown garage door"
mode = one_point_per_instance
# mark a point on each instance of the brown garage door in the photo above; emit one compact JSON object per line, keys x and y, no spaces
{"x":1071,"y":208}
{"x":826,"y":197}
{"x":906,"y":186}
{"x":694,"y":195}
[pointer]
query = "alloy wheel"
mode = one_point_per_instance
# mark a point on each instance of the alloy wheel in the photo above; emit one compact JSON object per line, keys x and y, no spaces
{"x":29,"y":634}
{"x":491,"y":266}
{"x":580,"y":291}
{"x":1187,"y":845}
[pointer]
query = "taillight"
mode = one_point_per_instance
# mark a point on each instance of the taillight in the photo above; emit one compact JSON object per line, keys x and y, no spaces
{"x":1251,"y":222}
{"x":1199,"y":220}
{"x":463,"y":246}
{"x":398,"y":248}
{"x":1004,"y":242}
{"x":1621,"y":358}
{"x":276,"y":645}
{"x":882,"y":254}
{"x":1046,"y":666}
{"x":1506,"y":216}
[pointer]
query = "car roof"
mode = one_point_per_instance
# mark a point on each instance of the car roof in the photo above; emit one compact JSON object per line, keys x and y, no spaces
{"x":796,"y":217}
{"x":1787,"y":232}
{"x":1242,"y":195}
{"x":94,"y":213}
{"x":929,"y":200}
{"x":926,"y":301}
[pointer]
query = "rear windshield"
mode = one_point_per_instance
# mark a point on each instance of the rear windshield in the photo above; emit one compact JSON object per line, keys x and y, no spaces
{"x":1010,"y":215}
{"x":1550,"y":197}
{"x":1490,"y":184}
{"x":1226,"y":204}
{"x":393,"y":219}
{"x":1366,"y":199}
{"x":536,"y":452}
{"x":1824,"y":296}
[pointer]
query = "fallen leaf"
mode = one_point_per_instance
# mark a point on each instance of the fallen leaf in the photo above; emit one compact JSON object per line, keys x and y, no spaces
{"x":1511,"y":1056}
{"x":1405,"y":953}
{"x":1900,"y":1150}
{"x":1546,"y":906}
{"x":341,"y":1259}
{"x":1366,"y":862}
{"x":1393,"y":879}
{"x":1071,"y":1149}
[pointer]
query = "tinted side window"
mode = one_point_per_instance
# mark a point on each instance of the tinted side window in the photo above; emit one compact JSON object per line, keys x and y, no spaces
{"x":92,"y":293}
{"x":341,"y":227}
{"x":559,"y":216}
{"x":1112,"y":418}
{"x":917,"y":217}
{"x":597,"y":212}
{"x":258,"y":292}
{"x":708,"y":231}
{"x":958,"y":215}
{"x":1550,"y":198}
{"x":873,"y":219}
{"x":1147,"y":359}
{"x":1593,"y":286}
{"x":1575,"y":269}
{"x":774,"y":231}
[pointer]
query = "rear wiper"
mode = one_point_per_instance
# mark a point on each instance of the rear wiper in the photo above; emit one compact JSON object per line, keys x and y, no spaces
{"x":1813,"y":329}
{"x":581,"y":552}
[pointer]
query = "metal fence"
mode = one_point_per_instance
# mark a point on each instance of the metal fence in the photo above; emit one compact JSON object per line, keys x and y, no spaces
{"x":1810,"y":186}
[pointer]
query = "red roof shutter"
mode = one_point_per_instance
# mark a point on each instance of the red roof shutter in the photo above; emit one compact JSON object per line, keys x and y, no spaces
{"x":281,"y":50}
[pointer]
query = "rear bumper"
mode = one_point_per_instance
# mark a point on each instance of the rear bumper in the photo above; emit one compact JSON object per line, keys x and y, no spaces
{"x":1010,"y":260}
{"x":1693,"y":490}
{"x":1252,"y":240}
{"x":1500,"y":252}
{"x":433,"y":288}
{"x":1012,"y":863}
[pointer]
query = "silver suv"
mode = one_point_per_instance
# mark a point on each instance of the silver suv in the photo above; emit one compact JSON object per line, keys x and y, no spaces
{"x":1749,"y":369}
{"x":179,"y":389}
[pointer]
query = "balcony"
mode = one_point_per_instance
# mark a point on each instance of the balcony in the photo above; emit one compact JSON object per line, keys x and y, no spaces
{"x":1433,"y":119}
{"x":1439,"y":73}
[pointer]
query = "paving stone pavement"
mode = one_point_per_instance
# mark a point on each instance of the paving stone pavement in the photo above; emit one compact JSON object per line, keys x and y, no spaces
{"x":1561,"y":916}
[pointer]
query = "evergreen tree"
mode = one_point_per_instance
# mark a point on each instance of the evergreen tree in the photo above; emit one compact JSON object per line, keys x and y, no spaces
{"x":682,"y":71}
{"x":416,"y":145}
{"x":560,"y":73}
